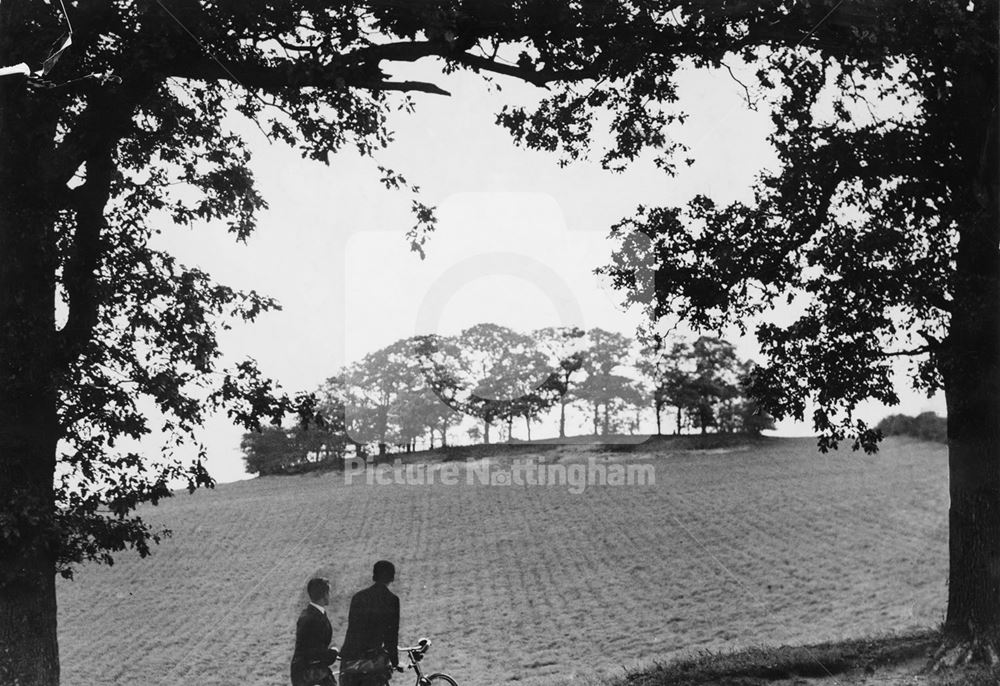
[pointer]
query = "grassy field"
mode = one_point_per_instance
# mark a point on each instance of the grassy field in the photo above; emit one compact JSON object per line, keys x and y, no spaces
{"x":733,"y":547}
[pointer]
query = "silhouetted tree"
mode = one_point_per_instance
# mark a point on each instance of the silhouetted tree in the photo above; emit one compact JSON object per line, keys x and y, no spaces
{"x":665,"y":365}
{"x":279,"y":450}
{"x":880,"y":215}
{"x":564,"y":347}
{"x":927,"y":426}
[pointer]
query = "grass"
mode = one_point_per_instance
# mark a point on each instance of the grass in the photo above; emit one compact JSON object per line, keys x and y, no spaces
{"x":886,"y":659}
{"x":733,"y":548}
{"x":765,"y":664}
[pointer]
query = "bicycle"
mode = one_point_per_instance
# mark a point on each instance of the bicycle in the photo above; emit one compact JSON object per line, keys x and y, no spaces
{"x":415,"y":654}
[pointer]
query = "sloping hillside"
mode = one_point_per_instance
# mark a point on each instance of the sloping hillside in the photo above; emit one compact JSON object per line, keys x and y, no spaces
{"x":736,"y":546}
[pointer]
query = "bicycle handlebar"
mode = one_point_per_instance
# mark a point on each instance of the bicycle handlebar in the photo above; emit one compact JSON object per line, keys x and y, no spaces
{"x":422,"y":645}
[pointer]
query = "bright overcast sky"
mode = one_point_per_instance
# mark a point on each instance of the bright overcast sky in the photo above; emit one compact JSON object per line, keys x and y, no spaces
{"x":516,"y":243}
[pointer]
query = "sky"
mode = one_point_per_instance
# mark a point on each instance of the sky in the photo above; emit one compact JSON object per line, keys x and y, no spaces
{"x":516,"y":242}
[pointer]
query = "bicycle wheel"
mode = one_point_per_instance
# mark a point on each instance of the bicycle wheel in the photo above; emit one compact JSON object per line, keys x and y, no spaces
{"x":441,"y":679}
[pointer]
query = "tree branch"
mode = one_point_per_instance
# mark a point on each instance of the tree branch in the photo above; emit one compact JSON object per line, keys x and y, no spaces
{"x":360,"y":69}
{"x":400,"y":51}
{"x":403,"y":86}
{"x":922,"y":350}
{"x":535,"y":77}
{"x":298,"y":74}
{"x":80,"y":276}
{"x":105,"y":121}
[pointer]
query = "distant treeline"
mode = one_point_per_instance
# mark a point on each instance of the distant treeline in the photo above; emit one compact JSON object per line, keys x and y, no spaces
{"x":426,"y":386}
{"x":928,"y":426}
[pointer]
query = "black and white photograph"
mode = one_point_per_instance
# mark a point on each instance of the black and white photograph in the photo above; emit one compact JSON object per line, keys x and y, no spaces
{"x":527,"y":342}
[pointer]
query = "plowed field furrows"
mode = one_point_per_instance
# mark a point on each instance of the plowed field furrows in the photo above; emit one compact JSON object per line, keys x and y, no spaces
{"x":771,"y":543}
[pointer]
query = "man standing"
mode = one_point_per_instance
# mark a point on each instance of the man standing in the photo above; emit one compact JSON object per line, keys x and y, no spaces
{"x":312,"y":657}
{"x":369,"y":651}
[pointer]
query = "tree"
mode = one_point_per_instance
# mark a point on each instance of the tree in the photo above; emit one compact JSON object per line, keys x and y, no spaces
{"x":420,"y":410}
{"x":279,"y":450}
{"x":677,"y":387}
{"x":439,"y":359}
{"x":564,"y":347}
{"x":607,"y":395}
{"x":605,"y":351}
{"x":603,"y":390}
{"x":897,"y":425}
{"x":324,"y":441}
{"x":533,"y":403}
{"x":753,"y":418}
{"x":665,"y":365}
{"x":713,"y":380}
{"x":927,"y":426}
{"x":704,"y":381}
{"x":266,"y":451}
{"x":880,"y":218}
{"x":388,"y":397}
{"x":652,"y":364}
{"x":533,"y":384}
{"x":376,"y":389}
{"x":122,"y":133}
{"x":500,"y":366}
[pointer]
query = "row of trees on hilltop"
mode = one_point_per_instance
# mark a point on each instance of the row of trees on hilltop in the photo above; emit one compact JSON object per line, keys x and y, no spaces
{"x":928,"y":426}
{"x":284,"y":450}
{"x":703,"y":382}
{"x":424,"y":386}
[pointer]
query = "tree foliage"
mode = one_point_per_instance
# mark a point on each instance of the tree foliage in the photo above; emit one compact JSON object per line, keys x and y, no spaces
{"x":424,"y":385}
{"x":860,"y":221}
{"x":131,"y":132}
{"x":705,"y":383}
{"x":927,"y":426}
{"x":563,"y":346}
{"x":879,"y":223}
{"x":280,"y":450}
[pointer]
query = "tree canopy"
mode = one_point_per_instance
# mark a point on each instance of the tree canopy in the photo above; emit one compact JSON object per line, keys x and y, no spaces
{"x":882,"y":225}
{"x":129,"y":131}
{"x":879,"y":225}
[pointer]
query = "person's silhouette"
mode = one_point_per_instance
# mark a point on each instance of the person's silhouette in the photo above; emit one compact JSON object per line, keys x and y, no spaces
{"x":313,"y":656}
{"x":372,"y":632}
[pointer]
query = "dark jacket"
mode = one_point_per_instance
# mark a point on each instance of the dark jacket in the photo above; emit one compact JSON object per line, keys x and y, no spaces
{"x":312,"y":642}
{"x":372,"y":623}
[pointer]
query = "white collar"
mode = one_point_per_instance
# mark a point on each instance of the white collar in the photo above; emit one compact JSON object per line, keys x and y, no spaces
{"x":318,"y":607}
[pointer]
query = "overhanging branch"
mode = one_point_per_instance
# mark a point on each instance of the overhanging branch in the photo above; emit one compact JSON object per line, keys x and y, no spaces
{"x":537,"y":77}
{"x":923,"y":350}
{"x":80,"y":274}
{"x":361,"y":69}
{"x":295,"y":74}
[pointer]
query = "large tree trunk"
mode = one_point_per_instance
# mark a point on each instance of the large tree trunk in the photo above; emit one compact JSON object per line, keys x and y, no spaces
{"x":29,"y":654}
{"x":971,"y":371}
{"x":973,"y":397}
{"x":562,"y":417}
